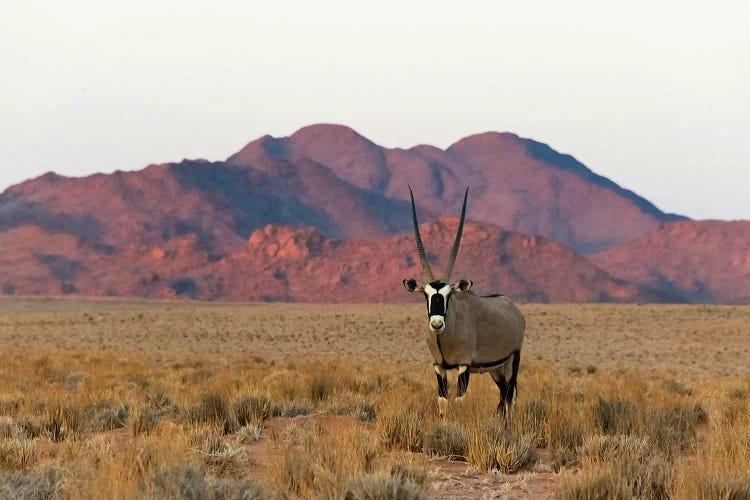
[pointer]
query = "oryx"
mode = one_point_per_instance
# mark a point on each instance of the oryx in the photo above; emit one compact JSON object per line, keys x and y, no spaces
{"x":471,"y":333}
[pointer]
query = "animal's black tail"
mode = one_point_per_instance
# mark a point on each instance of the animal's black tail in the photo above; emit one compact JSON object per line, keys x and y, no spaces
{"x":512,"y":383}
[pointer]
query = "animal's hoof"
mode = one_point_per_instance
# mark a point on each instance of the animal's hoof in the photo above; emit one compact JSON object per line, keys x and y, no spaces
{"x":460,"y":399}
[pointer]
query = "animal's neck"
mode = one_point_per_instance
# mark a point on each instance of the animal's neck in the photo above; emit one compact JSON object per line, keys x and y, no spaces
{"x":452,"y":313}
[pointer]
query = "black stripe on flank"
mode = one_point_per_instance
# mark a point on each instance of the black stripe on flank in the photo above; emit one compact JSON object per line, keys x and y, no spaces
{"x":477,"y":366}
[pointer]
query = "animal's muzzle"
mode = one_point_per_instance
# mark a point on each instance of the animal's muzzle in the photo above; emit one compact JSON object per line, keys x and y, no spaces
{"x":437,"y":323}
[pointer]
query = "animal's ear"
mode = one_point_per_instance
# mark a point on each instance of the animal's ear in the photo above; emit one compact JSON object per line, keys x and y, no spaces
{"x":462,"y":286}
{"x":411,"y":285}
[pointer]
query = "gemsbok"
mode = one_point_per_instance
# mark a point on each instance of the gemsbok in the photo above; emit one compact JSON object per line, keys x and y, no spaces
{"x":471,"y":333}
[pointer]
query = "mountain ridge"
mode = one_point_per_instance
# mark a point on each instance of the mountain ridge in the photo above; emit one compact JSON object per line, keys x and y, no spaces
{"x":199,"y":215}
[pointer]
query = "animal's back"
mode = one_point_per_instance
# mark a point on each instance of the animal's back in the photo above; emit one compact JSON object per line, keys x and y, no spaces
{"x":510,"y":311}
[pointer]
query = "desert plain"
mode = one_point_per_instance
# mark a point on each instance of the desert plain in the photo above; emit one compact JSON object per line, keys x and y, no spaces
{"x":145,"y":399}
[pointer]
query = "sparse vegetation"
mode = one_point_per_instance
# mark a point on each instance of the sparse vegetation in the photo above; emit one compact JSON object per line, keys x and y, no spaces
{"x":87,"y":413}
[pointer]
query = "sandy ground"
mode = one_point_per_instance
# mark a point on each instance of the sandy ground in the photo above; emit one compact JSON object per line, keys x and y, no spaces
{"x":687,"y":340}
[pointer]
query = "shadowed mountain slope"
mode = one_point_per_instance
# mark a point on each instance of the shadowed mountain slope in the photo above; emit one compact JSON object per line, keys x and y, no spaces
{"x":516,"y":183}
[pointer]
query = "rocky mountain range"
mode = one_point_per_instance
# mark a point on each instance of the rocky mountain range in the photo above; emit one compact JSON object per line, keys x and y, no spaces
{"x":323,"y":215}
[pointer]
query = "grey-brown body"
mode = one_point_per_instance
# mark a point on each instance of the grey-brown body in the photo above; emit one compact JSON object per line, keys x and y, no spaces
{"x":480,"y":332}
{"x":465,"y":331}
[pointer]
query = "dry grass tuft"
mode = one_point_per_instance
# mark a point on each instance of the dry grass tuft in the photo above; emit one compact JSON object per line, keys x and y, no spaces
{"x":563,"y":435}
{"x":252,"y":410}
{"x":401,"y":428}
{"x":315,"y":462}
{"x":17,"y":454}
{"x":190,"y":482}
{"x":162,"y":404}
{"x":63,"y":421}
{"x":672,"y":385}
{"x":599,"y":485}
{"x":249,"y":433}
{"x":672,"y":430}
{"x":617,"y":417}
{"x":9,"y":429}
{"x":446,"y":440}
{"x":32,"y":426}
{"x":738,"y":393}
{"x":361,"y":410}
{"x":105,"y":416}
{"x":290,"y":410}
{"x":410,"y":469}
{"x":144,"y":421}
{"x":497,"y":448}
{"x":293,"y":472}
{"x":214,"y":409}
{"x":402,"y":419}
{"x":223,"y":458}
{"x":622,"y":467}
{"x":532,"y":416}
{"x":322,"y":386}
{"x":731,"y":488}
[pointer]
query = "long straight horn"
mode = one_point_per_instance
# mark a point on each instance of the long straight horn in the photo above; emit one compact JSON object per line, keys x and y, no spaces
{"x":456,"y":243}
{"x":426,"y":271}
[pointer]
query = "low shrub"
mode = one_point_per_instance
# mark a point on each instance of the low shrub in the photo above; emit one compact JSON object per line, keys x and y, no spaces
{"x":41,"y":484}
{"x":290,"y":410}
{"x":446,"y":440}
{"x":382,"y":487}
{"x":191,"y":482}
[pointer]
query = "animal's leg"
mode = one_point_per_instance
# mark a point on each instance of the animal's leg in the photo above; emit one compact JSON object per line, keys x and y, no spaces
{"x":463,"y":382}
{"x":498,"y":376}
{"x":513,"y":384}
{"x":442,"y":383}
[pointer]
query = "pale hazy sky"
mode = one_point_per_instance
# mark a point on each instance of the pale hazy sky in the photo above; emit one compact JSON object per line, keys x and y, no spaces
{"x":653,"y":95}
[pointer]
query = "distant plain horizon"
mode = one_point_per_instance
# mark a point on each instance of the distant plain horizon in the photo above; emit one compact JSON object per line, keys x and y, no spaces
{"x":652,"y":96}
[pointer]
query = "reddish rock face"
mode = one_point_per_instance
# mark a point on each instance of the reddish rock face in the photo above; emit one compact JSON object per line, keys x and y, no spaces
{"x":706,"y":261}
{"x":284,"y":263}
{"x":323,"y":215}
{"x":284,"y":242}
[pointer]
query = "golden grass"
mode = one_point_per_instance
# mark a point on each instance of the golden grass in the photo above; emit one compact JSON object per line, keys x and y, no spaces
{"x":95,"y":408}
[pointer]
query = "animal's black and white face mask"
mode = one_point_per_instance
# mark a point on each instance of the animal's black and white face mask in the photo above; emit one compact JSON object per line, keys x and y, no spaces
{"x":437,"y":294}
